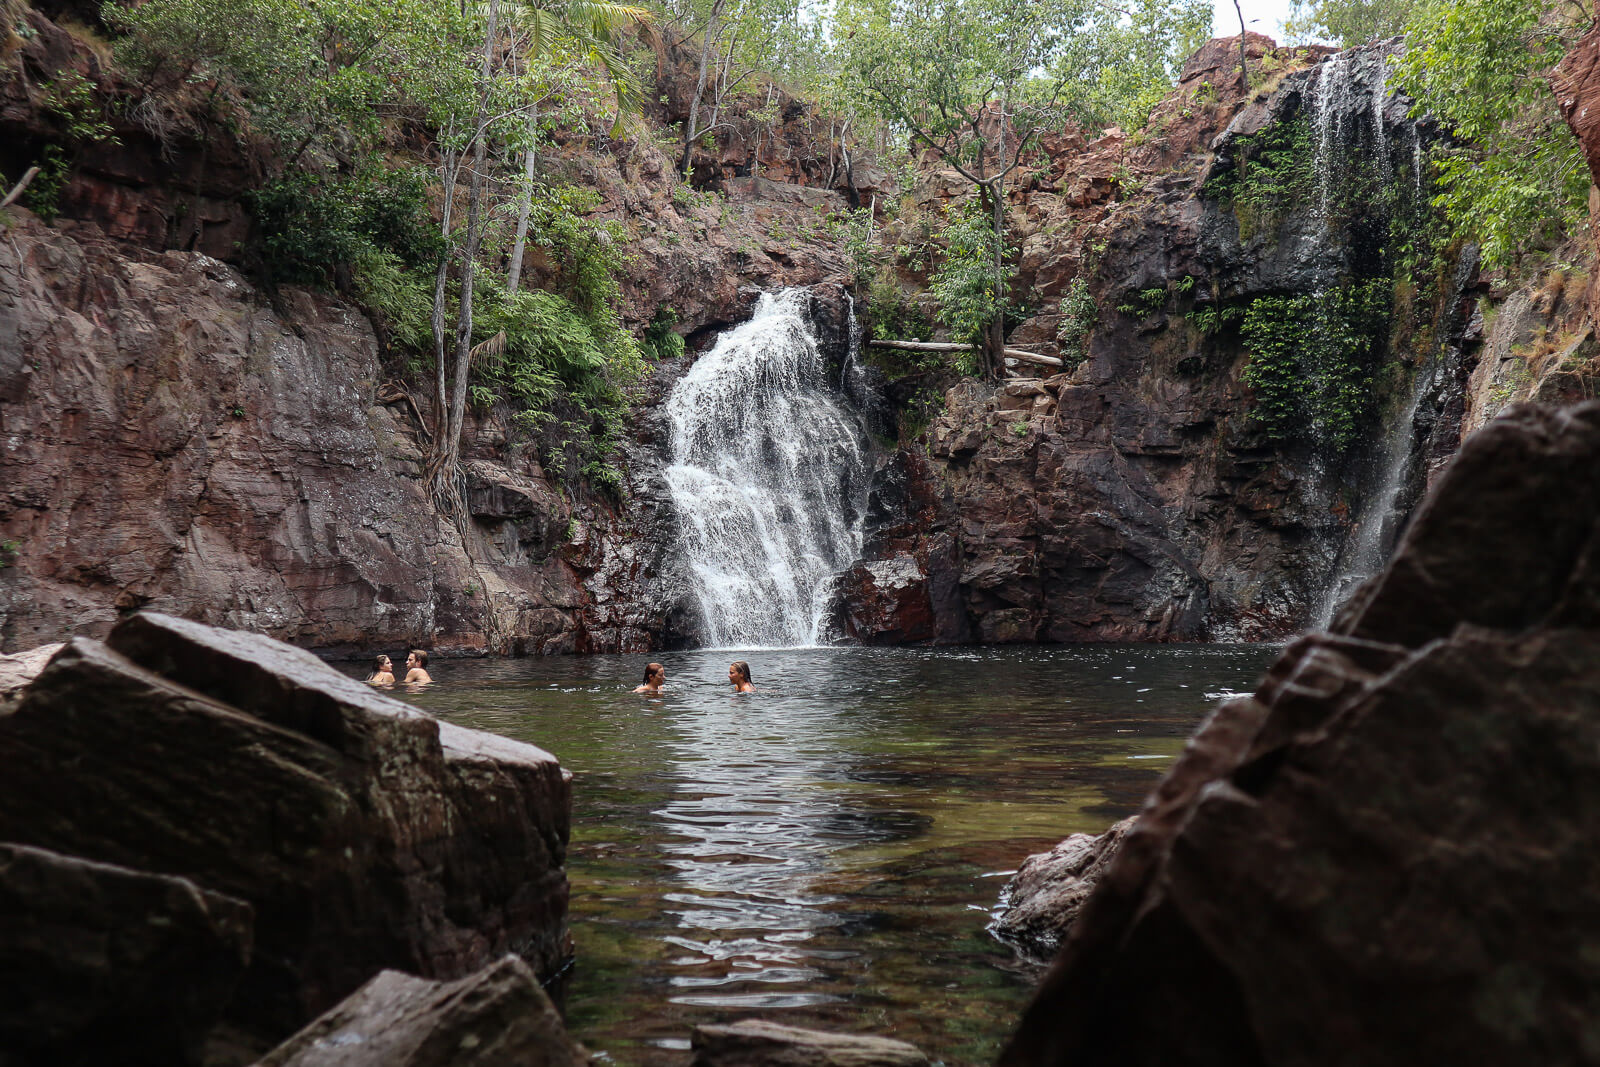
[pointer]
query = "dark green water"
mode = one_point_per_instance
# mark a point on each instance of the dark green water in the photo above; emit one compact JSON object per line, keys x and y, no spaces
{"x":827,"y":851}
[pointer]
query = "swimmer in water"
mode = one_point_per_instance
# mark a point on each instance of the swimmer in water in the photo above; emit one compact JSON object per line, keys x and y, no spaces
{"x":382,"y":673}
{"x":655,"y":676}
{"x":739,"y":675}
{"x":417,"y":668}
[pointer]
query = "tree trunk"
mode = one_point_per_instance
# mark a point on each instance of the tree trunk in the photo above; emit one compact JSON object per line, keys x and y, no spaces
{"x":1244,"y":52}
{"x":446,"y":465}
{"x":997,"y":329}
{"x":529,"y":165}
{"x":699,"y":87}
{"x":450,"y":164}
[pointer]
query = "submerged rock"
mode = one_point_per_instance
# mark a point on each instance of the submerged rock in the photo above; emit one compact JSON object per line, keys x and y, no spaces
{"x":364,"y":833}
{"x":758,"y":1043}
{"x":494,"y":1018}
{"x":101,"y":964}
{"x":1048,"y":891}
{"x":1386,"y":854}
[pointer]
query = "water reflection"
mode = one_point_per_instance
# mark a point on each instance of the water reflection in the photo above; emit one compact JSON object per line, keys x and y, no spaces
{"x":828,"y":848}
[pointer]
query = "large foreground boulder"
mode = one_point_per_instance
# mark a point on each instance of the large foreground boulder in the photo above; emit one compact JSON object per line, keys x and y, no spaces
{"x":101,"y":964}
{"x":498,"y":1017}
{"x":1386,"y":855}
{"x":364,"y":833}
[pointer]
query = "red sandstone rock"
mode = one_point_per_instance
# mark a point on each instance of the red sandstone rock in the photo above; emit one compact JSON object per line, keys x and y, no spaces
{"x":1043,"y":899}
{"x":1385,"y":855}
{"x":497,"y":1017}
{"x":167,"y":439}
{"x":365,"y":834}
{"x":1577,"y":87}
{"x":101,"y":964}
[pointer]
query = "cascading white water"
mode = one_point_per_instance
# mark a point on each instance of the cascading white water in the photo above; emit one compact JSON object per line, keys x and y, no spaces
{"x":1368,"y":550}
{"x":1354,"y":128}
{"x":1348,"y":86}
{"x":769,"y":471}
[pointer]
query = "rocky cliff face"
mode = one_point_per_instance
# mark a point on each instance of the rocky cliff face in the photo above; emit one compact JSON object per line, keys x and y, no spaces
{"x":1140,"y":495}
{"x":266,"y":453}
{"x":173,"y":435}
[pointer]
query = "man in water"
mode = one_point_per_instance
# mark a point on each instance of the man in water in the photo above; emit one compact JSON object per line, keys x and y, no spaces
{"x":655,"y":676}
{"x":417,"y":668}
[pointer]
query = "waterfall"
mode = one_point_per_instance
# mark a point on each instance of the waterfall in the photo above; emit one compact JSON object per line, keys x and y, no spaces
{"x":1349,"y":89}
{"x":1368,"y":172}
{"x":1378,"y":527}
{"x":768,"y":472}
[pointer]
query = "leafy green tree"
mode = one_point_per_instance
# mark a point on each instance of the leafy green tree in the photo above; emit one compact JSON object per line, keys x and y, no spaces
{"x":971,"y":295}
{"x":1120,"y":61}
{"x":1515,"y":179}
{"x":960,"y":78}
{"x":974,"y":81}
{"x":1348,"y":22}
{"x":591,"y":29}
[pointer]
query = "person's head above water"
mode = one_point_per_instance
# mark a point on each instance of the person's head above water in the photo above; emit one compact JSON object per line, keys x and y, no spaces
{"x":739,"y":675}
{"x":382,"y":671}
{"x":417,"y":666}
{"x":654,"y":676}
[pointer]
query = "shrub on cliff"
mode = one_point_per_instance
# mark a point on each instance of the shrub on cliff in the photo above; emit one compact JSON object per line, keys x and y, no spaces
{"x":1515,"y":179}
{"x":1313,"y":359}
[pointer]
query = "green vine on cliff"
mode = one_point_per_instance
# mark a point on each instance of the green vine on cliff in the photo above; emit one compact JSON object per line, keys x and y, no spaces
{"x":1272,"y":172}
{"x":1079,"y":313}
{"x":1312,"y":362}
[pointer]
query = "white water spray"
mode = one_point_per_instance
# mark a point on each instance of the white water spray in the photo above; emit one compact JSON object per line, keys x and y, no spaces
{"x":769,"y":474}
{"x":1378,"y":525}
{"x":1349,"y":86}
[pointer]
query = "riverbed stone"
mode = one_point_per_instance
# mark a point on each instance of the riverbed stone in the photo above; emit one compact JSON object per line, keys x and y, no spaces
{"x":364,"y":833}
{"x":1385,"y":854}
{"x":102,"y":964}
{"x":1048,"y":891}
{"x":758,"y":1043}
{"x":496,"y":1017}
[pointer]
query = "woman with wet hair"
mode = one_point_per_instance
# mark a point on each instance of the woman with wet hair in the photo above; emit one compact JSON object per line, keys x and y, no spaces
{"x":382,"y":672}
{"x":739,"y":675}
{"x":655,"y":676}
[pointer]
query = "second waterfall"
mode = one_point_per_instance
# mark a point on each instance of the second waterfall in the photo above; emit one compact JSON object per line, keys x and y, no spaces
{"x":768,"y":471}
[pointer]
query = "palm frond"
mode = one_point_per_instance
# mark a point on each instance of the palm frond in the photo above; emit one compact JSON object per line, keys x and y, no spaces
{"x":494,"y":346}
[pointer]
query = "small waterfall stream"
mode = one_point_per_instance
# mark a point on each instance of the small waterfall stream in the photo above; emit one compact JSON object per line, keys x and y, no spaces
{"x":1378,"y":527}
{"x":1361,"y":133}
{"x":768,"y":472}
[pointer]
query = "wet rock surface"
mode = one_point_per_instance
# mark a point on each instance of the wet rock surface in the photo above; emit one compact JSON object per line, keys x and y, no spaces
{"x":1133,"y":496}
{"x":102,"y":964}
{"x":1384,"y":852}
{"x":758,"y":1043}
{"x":1048,"y":891}
{"x":363,"y":833}
{"x":496,"y":1017}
